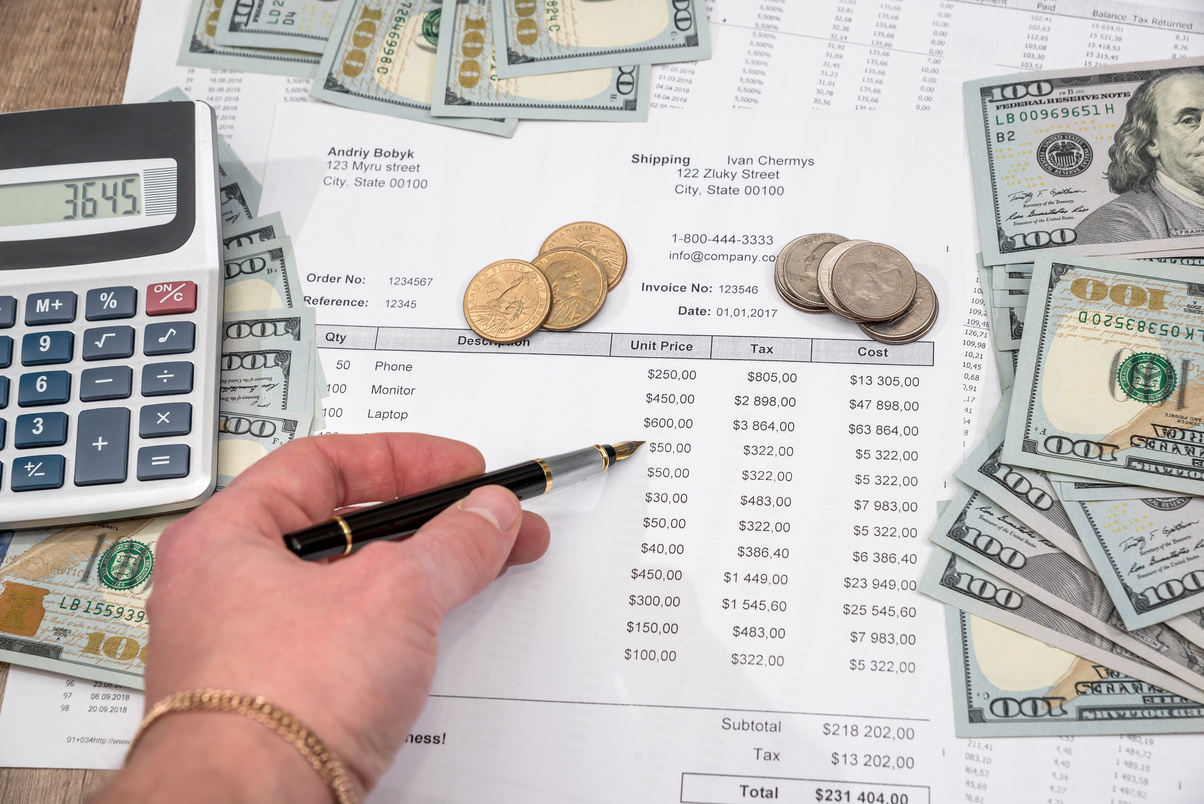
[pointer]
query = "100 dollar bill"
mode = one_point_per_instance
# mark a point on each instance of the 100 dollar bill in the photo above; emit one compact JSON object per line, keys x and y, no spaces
{"x":74,"y":598}
{"x":279,"y":24}
{"x":245,"y":435}
{"x":465,"y":86}
{"x":1006,"y":684}
{"x":1149,"y":553}
{"x":539,"y":38}
{"x":1083,"y":161}
{"x":381,"y":58}
{"x":1109,"y":384}
{"x":200,"y":48}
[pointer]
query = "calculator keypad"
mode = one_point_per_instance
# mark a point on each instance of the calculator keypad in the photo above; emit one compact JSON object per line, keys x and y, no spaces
{"x":103,"y":366}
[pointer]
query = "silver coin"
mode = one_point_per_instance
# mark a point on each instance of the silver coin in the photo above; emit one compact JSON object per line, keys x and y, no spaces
{"x":797,"y":267}
{"x":824,"y":278}
{"x":874,"y":281}
{"x":913,"y":323}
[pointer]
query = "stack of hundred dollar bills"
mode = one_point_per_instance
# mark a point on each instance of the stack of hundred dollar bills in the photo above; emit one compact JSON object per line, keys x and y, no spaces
{"x":484,"y":66}
{"x":93,"y":602}
{"x":1072,"y":560}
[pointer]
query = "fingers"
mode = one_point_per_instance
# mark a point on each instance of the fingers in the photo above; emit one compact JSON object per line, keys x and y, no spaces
{"x":304,"y":481}
{"x":465,"y":547}
{"x":532,"y":542}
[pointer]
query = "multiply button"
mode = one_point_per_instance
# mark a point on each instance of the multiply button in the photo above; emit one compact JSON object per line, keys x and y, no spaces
{"x":161,"y":379}
{"x":37,"y":472}
{"x":168,"y":298}
{"x":172,"y":419}
{"x":102,"y":446}
{"x":50,"y":308}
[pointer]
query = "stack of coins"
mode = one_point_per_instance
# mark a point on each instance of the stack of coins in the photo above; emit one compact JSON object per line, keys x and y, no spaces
{"x":870,"y":283}
{"x":562,"y":288}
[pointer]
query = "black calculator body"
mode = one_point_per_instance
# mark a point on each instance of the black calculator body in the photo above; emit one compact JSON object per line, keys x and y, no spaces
{"x":110,"y":312}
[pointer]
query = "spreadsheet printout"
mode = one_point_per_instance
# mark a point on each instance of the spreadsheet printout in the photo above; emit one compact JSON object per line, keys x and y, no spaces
{"x":538,"y":698}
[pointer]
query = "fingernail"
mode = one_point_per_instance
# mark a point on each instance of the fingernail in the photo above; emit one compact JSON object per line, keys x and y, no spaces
{"x":496,"y":505}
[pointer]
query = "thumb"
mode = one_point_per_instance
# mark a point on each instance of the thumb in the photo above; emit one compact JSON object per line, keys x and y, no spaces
{"x":465,"y":547}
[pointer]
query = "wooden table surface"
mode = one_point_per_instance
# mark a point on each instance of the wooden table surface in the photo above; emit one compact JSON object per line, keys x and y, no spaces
{"x":57,"y":53}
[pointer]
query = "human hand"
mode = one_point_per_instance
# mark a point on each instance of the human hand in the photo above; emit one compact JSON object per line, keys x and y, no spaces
{"x":348,"y":647}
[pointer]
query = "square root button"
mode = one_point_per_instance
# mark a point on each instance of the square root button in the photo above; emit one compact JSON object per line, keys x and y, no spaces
{"x":163,"y":463}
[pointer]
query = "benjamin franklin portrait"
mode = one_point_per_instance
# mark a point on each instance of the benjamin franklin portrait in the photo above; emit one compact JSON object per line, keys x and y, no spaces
{"x":1157,"y":165}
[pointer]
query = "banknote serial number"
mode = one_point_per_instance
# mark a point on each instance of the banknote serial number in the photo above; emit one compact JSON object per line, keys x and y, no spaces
{"x":128,"y":614}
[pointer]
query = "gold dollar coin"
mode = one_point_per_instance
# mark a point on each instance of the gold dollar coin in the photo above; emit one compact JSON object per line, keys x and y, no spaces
{"x":598,"y":241}
{"x":578,"y":287}
{"x":507,"y":300}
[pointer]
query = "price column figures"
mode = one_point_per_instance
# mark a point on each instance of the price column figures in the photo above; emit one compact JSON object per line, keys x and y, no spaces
{"x":767,"y":530}
{"x":878,"y":599}
{"x":659,"y":575}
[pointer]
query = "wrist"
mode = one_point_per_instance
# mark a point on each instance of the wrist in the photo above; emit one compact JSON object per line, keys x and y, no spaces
{"x":215,"y":756}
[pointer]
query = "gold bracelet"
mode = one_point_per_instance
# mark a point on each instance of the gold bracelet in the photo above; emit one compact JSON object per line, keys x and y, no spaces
{"x":265,"y":712}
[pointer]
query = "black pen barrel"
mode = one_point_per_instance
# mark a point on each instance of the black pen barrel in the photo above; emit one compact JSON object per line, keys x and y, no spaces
{"x":402,"y":518}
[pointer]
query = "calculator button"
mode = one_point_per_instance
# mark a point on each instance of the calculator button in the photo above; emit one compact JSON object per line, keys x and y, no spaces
{"x":168,"y":298}
{"x":102,"y":446}
{"x":44,"y":348}
{"x":35,"y":472}
{"x":161,"y":463}
{"x":3,"y":392}
{"x":40,"y":430}
{"x":160,"y":379}
{"x":48,"y":388}
{"x":106,"y":343}
{"x":173,"y":419}
{"x":50,"y":308}
{"x":169,"y":338}
{"x":3,"y":424}
{"x":104,"y":304}
{"x":109,"y":382}
{"x":8,"y":311}
{"x":6,"y":351}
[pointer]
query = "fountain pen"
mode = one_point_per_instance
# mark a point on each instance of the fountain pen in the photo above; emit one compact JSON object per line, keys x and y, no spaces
{"x":402,"y":517}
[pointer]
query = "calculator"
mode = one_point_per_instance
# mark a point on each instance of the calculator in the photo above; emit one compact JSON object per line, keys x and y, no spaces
{"x":110,"y":312}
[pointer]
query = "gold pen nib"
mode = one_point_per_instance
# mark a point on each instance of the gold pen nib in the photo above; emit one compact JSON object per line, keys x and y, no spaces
{"x":625,"y":449}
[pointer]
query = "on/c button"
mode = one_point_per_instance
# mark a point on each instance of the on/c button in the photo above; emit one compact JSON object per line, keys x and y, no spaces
{"x":169,"y":298}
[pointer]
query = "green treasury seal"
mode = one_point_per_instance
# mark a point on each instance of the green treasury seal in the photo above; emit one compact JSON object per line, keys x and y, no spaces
{"x":126,"y":565}
{"x":1146,"y":377}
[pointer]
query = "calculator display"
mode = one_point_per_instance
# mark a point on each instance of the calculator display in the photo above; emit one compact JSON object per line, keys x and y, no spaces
{"x":74,"y":199}
{"x":58,"y":202}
